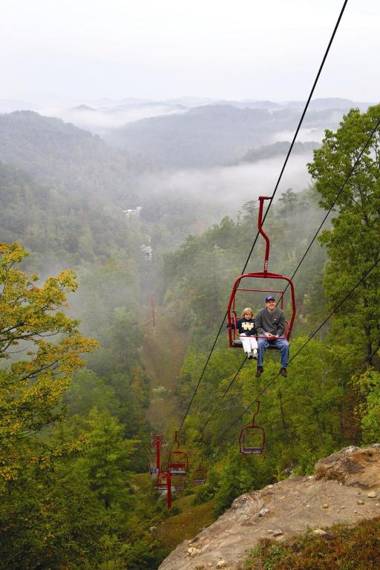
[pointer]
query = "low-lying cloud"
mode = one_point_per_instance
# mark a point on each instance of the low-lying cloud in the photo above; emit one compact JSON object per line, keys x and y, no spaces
{"x":99,"y":121}
{"x":217,"y":192}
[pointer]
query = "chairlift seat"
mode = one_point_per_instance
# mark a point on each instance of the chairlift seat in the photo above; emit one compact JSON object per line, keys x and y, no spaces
{"x":178,"y":462}
{"x":247,"y":449}
{"x":163,"y":492}
{"x":177,"y":468}
{"x":251,"y":450}
{"x":199,"y":481}
{"x":237,"y":343}
{"x":199,"y":476}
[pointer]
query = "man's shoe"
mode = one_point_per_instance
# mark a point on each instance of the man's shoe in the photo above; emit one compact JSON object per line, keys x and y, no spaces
{"x":283,"y":372}
{"x":259,"y":371}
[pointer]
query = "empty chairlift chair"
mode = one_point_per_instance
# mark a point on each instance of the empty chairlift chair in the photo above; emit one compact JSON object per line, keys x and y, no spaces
{"x":164,"y":487}
{"x":199,"y":475}
{"x":178,"y":463}
{"x":252,"y":437}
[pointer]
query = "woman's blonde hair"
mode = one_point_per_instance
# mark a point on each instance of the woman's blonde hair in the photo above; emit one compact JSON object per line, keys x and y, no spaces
{"x":247,"y":310}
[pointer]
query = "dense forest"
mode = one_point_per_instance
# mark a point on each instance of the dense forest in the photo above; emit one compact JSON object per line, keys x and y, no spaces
{"x":88,"y":373}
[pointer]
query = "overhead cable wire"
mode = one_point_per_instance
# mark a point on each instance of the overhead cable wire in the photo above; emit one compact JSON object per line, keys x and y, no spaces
{"x":234,"y":378}
{"x":298,"y":127}
{"x":201,"y":375}
{"x":270,"y":203}
{"x":310,"y":337}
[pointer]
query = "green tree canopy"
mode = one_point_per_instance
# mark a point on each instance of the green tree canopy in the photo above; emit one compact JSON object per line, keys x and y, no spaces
{"x":353,"y":241}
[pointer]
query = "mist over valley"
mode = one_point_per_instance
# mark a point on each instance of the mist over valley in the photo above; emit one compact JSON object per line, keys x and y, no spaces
{"x":208,"y":160}
{"x":180,"y":173}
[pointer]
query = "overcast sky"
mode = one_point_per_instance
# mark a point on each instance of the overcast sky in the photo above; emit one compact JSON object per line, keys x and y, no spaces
{"x":235,"y":49}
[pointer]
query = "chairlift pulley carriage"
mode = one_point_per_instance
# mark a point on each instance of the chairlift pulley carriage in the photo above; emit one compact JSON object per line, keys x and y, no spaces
{"x":178,"y":463}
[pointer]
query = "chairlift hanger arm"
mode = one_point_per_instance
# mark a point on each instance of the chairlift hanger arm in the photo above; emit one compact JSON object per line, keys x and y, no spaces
{"x":260,"y":222}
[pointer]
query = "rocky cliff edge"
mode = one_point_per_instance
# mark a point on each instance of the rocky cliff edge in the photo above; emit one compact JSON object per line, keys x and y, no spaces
{"x":345,"y":488}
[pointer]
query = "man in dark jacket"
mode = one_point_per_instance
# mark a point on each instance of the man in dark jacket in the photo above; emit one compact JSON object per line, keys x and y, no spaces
{"x":270,"y":325}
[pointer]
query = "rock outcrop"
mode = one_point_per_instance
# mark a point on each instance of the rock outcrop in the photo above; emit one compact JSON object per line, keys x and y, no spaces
{"x":353,"y":466}
{"x":344,"y":489}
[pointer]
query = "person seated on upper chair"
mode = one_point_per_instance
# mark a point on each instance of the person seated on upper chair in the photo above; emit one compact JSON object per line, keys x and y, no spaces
{"x":270,"y":325}
{"x":247,"y":330}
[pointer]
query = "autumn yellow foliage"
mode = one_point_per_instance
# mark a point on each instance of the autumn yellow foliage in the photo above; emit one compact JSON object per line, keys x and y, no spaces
{"x":40,"y":349}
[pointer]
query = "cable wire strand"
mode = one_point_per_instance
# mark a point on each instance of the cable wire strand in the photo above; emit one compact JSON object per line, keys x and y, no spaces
{"x":299,"y":124}
{"x":235,"y":377}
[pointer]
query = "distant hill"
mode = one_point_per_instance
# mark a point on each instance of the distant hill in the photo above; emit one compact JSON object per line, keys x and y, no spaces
{"x":62,"y":156}
{"x":204,"y":136}
{"x":84,"y":108}
{"x":219,"y":134}
{"x":330,"y":104}
{"x":278,"y":148}
{"x":110,"y":115}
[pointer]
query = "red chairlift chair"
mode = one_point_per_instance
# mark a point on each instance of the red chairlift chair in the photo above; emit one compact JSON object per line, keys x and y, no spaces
{"x":164,"y":487}
{"x":178,"y":463}
{"x":232,"y":318}
{"x":246,"y":433}
{"x":199,"y":475}
{"x":161,"y":483}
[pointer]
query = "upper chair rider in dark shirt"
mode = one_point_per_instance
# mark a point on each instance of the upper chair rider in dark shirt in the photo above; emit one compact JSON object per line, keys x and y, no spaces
{"x":247,"y":330}
{"x":270,"y":325}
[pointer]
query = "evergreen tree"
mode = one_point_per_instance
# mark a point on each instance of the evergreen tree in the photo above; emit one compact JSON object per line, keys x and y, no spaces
{"x":353,"y":241}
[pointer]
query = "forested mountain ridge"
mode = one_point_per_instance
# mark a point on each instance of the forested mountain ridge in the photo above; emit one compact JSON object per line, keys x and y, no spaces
{"x":278,"y":148}
{"x":204,"y":136}
{"x":60,"y":227}
{"x":212,"y":135}
{"x":64,"y":157}
{"x":79,"y":187}
{"x":102,"y":116}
